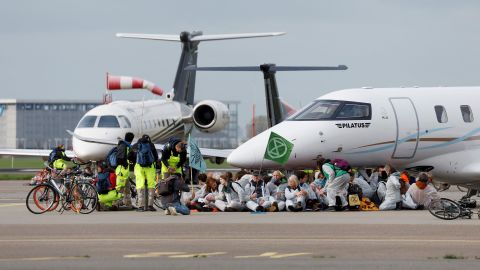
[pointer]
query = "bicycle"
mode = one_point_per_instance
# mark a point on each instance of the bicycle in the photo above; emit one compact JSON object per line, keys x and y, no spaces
{"x":74,"y":193}
{"x":448,"y":209}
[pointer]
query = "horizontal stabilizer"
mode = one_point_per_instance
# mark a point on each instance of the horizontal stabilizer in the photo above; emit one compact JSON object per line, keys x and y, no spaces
{"x":273,"y":68}
{"x":235,"y":36}
{"x":150,"y":36}
{"x":198,"y":37}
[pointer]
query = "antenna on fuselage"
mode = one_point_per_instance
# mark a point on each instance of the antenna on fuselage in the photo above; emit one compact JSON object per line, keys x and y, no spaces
{"x":277,"y":110}
{"x":184,"y":84}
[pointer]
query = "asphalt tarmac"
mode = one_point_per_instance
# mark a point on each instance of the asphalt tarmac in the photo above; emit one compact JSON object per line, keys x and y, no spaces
{"x":308,"y":240}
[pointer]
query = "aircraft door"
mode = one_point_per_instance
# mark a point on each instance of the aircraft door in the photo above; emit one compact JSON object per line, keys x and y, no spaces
{"x":406,"y":141}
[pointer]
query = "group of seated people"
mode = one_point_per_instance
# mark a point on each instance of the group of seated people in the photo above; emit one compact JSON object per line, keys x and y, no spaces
{"x":327,"y":189}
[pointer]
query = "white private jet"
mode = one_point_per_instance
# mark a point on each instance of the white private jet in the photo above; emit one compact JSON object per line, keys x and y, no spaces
{"x":101,"y":128}
{"x":411,"y":128}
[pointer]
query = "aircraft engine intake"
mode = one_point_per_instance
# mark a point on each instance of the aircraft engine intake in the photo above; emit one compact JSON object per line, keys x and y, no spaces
{"x":210,"y":116}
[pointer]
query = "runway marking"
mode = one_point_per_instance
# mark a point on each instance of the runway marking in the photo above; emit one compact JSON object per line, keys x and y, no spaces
{"x":273,"y":255}
{"x":173,"y":255}
{"x":45,"y":258}
{"x":10,"y":204}
{"x":362,"y":240}
{"x":151,"y":254}
{"x":197,"y":255}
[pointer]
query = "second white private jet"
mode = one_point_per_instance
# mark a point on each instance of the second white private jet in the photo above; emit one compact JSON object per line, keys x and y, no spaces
{"x":412,"y":128}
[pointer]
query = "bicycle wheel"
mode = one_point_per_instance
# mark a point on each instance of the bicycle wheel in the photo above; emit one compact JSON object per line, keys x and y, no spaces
{"x":89,"y":197}
{"x":445,"y":209}
{"x":41,"y":199}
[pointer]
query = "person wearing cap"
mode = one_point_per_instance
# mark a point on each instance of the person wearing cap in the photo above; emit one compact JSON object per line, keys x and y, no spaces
{"x":257,"y":197}
{"x":423,"y":192}
{"x":122,"y":171}
{"x":393,"y":197}
{"x":59,"y":159}
{"x":173,"y":158}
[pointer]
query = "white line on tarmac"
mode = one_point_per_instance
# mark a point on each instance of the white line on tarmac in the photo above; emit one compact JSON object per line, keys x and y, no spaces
{"x":11,"y":204}
{"x":362,"y":240}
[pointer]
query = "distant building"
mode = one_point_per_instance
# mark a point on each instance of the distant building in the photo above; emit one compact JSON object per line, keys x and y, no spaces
{"x":226,"y":138}
{"x":33,"y":124}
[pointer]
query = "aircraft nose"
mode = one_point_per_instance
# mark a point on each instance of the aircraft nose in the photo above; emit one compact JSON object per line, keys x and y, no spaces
{"x":249,"y":154}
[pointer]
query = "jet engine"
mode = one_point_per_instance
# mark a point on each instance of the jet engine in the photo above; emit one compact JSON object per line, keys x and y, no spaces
{"x":210,"y":116}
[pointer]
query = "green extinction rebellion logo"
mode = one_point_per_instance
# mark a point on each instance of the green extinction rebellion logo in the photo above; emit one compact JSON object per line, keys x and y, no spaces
{"x":353,"y":125}
{"x":278,"y":148}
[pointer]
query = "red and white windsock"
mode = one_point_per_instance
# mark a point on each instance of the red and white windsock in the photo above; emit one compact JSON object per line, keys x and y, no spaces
{"x":126,"y":82}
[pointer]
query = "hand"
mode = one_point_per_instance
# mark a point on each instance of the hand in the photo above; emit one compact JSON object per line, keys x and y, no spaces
{"x":210,"y":197}
{"x":253,"y":196}
{"x":171,"y":170}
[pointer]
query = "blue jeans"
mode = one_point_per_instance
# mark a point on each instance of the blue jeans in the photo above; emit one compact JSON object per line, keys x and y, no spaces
{"x":180,"y":208}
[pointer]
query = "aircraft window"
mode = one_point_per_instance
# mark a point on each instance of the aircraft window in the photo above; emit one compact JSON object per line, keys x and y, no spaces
{"x":108,"y":121}
{"x":354,"y":111}
{"x":323,"y":109}
{"x":124,"y":122}
{"x":441,"y":114}
{"x":467,"y":113}
{"x":87,"y":121}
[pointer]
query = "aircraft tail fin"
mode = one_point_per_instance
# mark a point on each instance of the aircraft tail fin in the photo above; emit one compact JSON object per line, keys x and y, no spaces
{"x":277,"y":110}
{"x":184,"y":85}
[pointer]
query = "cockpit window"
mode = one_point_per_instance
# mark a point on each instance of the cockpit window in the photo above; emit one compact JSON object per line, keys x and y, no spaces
{"x":320,"y":110}
{"x":124,"y":122}
{"x":108,"y":121}
{"x":87,"y":121}
{"x":354,"y":111}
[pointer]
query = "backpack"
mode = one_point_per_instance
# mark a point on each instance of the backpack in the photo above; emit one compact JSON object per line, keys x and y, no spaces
{"x":103,"y":184}
{"x":112,"y":157}
{"x":144,"y":154}
{"x":166,"y":187}
{"x":52,"y":155}
{"x":354,"y":196}
{"x":341,"y":164}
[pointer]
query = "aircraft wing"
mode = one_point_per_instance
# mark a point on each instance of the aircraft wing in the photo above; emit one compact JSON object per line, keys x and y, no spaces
{"x":206,"y":152}
{"x":31,"y":152}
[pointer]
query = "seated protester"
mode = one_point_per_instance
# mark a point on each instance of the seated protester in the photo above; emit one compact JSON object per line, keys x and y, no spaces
{"x":393,"y":197}
{"x":243,"y":178}
{"x":423,"y":192}
{"x":276,"y":188}
{"x":108,"y":197}
{"x":171,"y":202}
{"x":211,"y":194}
{"x":230,"y":196}
{"x":318,"y":186}
{"x":379,"y":176}
{"x":311,"y":200}
{"x":295,"y":196}
{"x":192,"y":201}
{"x":367,"y":190}
{"x":256,"y":196}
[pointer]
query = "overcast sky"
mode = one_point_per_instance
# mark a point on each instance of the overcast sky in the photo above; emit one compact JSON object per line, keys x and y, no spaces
{"x":60,"y":49}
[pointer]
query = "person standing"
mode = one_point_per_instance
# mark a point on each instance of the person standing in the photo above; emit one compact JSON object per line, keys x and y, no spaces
{"x":122,"y":171}
{"x":57,"y":159}
{"x":146,"y":157}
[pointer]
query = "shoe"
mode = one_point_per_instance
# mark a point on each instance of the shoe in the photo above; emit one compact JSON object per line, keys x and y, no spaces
{"x":291,"y":208}
{"x":172,"y":210}
{"x":273,"y":208}
{"x":140,"y":209}
{"x":151,"y":208}
{"x":260,"y":209}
